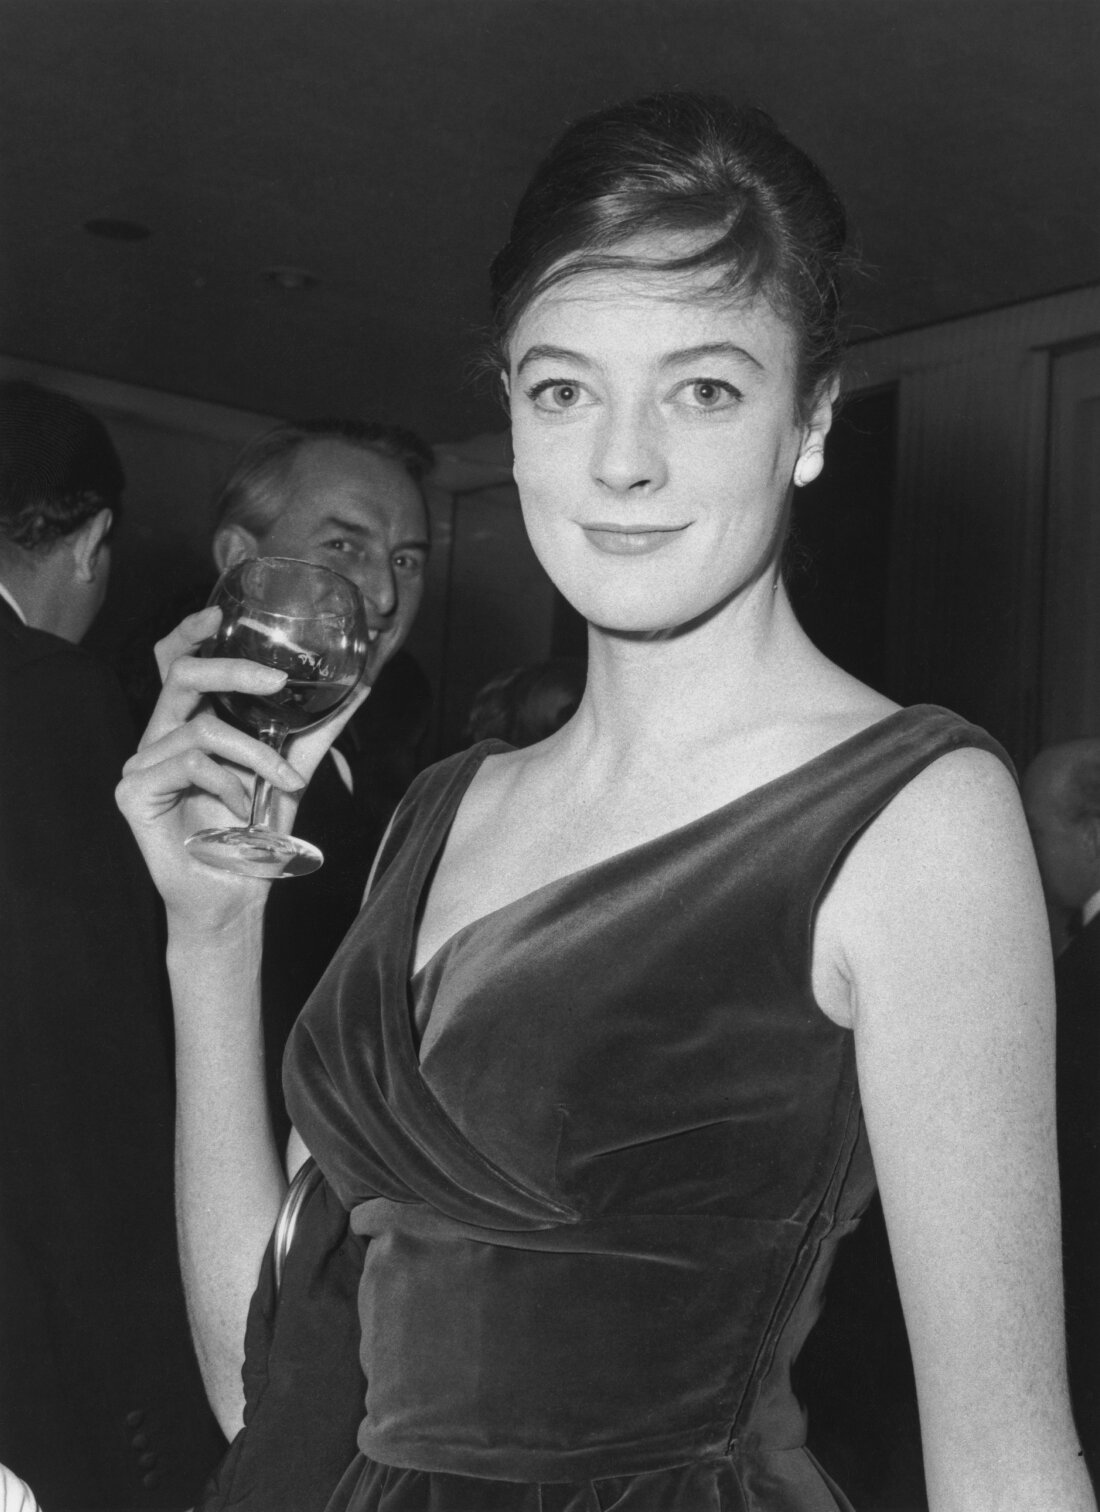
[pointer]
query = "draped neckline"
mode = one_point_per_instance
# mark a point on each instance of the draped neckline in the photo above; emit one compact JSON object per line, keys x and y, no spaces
{"x":461,"y":781}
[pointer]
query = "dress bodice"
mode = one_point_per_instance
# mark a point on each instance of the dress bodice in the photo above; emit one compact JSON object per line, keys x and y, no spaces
{"x":602,"y":1205}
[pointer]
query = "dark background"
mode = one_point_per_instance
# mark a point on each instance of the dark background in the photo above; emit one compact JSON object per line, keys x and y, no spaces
{"x":378,"y":147}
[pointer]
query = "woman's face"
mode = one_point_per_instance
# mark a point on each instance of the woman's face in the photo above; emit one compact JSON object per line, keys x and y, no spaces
{"x":656,"y":436}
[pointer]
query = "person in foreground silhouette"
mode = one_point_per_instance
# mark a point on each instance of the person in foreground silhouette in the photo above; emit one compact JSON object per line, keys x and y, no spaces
{"x":633,"y":1018}
{"x":101,"y":1402}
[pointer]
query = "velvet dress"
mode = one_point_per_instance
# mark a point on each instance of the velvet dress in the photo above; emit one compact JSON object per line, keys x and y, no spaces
{"x":596,"y":1214}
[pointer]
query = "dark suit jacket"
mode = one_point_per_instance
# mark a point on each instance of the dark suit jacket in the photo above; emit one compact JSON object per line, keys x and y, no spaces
{"x":101,"y":1403}
{"x":1077,"y":978}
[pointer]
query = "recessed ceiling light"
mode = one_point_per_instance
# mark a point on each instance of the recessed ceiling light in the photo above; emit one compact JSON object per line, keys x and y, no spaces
{"x":117,"y":230}
{"x":291,"y":279}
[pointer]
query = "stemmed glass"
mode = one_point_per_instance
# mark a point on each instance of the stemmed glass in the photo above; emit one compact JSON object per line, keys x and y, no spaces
{"x":310,"y":623}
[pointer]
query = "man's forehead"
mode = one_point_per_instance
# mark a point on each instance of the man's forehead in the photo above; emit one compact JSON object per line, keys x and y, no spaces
{"x":332,"y":482}
{"x":337,"y":465}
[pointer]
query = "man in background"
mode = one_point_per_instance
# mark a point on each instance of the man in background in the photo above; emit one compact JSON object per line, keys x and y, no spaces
{"x":1061,"y":792}
{"x":346,"y":494}
{"x":101,"y":1403}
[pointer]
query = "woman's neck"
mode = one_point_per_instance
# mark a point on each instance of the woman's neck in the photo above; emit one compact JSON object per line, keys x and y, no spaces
{"x":736,"y":671}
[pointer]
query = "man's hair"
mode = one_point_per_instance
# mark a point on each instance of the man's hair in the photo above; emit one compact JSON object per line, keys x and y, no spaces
{"x":254,"y":493}
{"x":58,"y":466}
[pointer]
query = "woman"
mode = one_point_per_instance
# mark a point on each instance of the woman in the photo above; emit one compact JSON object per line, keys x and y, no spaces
{"x":584,"y":1073}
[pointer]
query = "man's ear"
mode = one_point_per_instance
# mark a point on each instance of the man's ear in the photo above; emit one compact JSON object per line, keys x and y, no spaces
{"x":87,"y":545}
{"x":232,"y":544}
{"x":811,"y":455}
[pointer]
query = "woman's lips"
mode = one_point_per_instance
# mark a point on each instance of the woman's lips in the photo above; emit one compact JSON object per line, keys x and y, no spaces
{"x":635,"y":540}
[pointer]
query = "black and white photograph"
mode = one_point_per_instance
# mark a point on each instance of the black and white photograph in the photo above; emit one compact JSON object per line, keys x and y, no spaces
{"x":549,"y":755}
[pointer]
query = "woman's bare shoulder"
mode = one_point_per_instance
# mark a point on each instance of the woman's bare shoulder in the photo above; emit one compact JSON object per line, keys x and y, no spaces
{"x":944,"y":868}
{"x":964,"y":806}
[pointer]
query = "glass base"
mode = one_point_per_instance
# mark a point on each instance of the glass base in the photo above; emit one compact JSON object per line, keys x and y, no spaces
{"x":254,"y":852}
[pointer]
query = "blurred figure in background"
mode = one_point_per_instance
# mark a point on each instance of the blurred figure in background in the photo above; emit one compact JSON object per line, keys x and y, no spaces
{"x":528,"y":703}
{"x":1061,"y":791}
{"x":101,"y":1403}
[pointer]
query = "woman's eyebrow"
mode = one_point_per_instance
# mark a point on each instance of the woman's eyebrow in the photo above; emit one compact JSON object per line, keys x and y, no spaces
{"x":543,"y":351}
{"x":551,"y":353}
{"x":709,"y":349}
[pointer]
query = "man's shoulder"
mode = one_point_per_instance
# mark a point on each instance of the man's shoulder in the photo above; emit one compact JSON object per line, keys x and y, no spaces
{"x":22,"y":646}
{"x":47,"y":680}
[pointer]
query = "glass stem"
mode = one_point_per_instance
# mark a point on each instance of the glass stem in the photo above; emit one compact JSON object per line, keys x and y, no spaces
{"x":272,"y":732}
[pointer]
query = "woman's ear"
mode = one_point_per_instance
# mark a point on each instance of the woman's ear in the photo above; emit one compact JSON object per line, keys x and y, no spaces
{"x":811,"y":454}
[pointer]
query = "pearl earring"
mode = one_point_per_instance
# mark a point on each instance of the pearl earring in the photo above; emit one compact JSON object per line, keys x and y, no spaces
{"x":802,"y":467}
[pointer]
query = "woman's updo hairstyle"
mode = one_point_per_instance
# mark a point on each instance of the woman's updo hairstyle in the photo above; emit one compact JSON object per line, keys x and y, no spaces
{"x":682,"y":162}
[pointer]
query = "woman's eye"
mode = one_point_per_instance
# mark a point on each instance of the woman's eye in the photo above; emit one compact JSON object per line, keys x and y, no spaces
{"x":711,"y":393}
{"x":554,"y":394}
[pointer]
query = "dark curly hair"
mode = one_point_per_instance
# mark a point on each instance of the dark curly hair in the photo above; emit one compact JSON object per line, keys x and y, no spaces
{"x":58,"y":466}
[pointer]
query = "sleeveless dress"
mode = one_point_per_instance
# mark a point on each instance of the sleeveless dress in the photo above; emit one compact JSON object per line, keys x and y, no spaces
{"x":597,"y":1214}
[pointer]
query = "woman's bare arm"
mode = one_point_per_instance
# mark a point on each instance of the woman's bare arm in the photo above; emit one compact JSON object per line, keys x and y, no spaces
{"x":192,"y":770}
{"x":229,"y":1179}
{"x":938,"y":929}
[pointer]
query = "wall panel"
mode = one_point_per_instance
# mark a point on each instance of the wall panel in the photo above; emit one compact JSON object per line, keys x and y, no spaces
{"x":970,"y":528}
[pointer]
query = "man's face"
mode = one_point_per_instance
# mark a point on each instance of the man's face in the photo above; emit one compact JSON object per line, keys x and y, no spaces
{"x":362,"y":515}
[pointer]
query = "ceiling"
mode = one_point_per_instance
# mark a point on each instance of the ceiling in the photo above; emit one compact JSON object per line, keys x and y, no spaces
{"x":378,"y":145}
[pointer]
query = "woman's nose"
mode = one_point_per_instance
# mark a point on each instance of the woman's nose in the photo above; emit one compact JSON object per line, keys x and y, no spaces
{"x":629,"y":455}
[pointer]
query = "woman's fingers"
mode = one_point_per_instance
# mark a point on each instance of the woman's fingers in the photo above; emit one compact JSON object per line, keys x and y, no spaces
{"x":208,"y":733}
{"x":150,"y":791}
{"x":201,"y":760}
{"x":190,"y":679}
{"x":186,"y":638}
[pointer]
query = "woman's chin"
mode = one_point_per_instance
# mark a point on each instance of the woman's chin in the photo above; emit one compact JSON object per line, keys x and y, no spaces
{"x":653,"y":617}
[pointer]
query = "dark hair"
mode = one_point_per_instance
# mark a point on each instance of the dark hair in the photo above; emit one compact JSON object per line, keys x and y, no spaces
{"x":527,"y":703}
{"x":58,"y":466}
{"x":252,"y":494}
{"x":682,"y":162}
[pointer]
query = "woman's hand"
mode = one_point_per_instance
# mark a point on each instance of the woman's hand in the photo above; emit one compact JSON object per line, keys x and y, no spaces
{"x":15,"y":1495}
{"x":192,"y":771}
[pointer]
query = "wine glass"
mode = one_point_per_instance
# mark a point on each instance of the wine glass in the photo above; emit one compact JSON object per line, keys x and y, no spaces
{"x":310,"y":623}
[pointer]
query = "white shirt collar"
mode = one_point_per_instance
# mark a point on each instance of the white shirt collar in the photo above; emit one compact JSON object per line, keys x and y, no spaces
{"x":13,"y":601}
